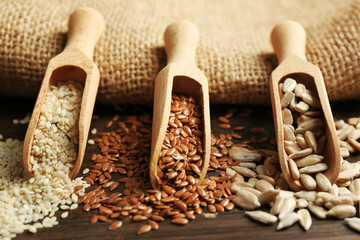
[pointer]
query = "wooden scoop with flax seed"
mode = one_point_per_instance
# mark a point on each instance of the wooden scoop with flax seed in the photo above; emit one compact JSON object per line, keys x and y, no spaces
{"x":180,"y":76}
{"x":302,"y":113}
{"x":73,"y":63}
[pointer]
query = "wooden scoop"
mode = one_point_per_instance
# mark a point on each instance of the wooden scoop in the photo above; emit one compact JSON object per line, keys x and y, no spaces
{"x":288,"y":39}
{"x":181,"y":75}
{"x":73,"y":63}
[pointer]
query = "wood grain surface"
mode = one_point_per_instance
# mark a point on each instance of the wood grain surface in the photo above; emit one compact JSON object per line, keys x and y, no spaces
{"x":228,"y":225}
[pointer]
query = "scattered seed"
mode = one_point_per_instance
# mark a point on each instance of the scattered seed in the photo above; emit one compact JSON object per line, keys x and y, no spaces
{"x":304,"y":219}
{"x":224,"y":125}
{"x":353,"y":223}
{"x":115,"y":225}
{"x":144,"y":229}
{"x":262,"y":217}
{"x":180,"y":221}
{"x":288,"y":221}
{"x":154,"y":225}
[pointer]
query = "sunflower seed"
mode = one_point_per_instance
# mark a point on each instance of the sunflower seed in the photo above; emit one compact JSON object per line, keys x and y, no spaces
{"x":247,"y":165}
{"x":278,"y":204}
{"x":288,"y":207}
{"x":288,"y":221}
{"x":355,"y":186}
{"x":343,"y":191}
{"x":344,"y":152}
{"x":261,"y":216}
{"x":319,"y":167}
{"x":289,"y":85}
{"x":346,"y":175}
{"x":322,"y":198}
{"x":287,"y":116}
{"x":301,"y":141}
{"x":348,"y":146}
{"x":342,"y":211}
{"x":286,"y":99}
{"x":301,"y":203}
{"x":355,"y":134}
{"x":237,"y":186}
{"x":293,"y":169}
{"x":230,"y":172}
{"x":267,"y":178}
{"x":243,"y":154}
{"x":301,"y":153}
{"x":245,"y":171}
{"x":312,"y":124}
{"x":308,"y":181}
{"x":341,"y":200}
{"x":246,"y":200}
{"x":293,"y":104}
{"x":299,"y":90}
{"x":308,"y":195}
{"x":353,"y":223}
{"x":323,"y":182}
{"x":304,"y":219}
{"x":291,"y":147}
{"x":268,"y":196}
{"x":263,"y":185}
{"x":344,"y":132}
{"x":334,"y":190}
{"x":310,"y":139}
{"x":309,"y":160}
{"x":354,"y":143}
{"x":301,"y":107}
{"x":318,"y":211}
{"x":289,"y":133}
{"x":311,"y":99}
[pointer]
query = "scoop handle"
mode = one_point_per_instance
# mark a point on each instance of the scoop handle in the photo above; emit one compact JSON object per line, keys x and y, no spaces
{"x":289,"y":38}
{"x":181,"y":40}
{"x":85,"y":27}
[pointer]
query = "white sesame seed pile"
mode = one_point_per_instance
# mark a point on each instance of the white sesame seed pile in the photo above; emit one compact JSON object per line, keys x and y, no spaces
{"x":32,"y":204}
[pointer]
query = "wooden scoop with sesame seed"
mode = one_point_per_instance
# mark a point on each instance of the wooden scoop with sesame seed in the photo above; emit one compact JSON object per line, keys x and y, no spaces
{"x":73,"y":63}
{"x":182,"y":76}
{"x":288,"y":39}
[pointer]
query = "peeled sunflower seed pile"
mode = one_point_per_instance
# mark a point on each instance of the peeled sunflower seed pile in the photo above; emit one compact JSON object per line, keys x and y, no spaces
{"x":304,"y":137}
{"x":262,"y":184}
{"x":32,"y":204}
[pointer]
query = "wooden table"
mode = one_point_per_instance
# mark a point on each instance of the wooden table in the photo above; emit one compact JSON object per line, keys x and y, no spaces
{"x":229,"y":225}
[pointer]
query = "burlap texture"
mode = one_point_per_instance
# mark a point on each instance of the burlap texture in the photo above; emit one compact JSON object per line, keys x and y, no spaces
{"x":234,"y":50}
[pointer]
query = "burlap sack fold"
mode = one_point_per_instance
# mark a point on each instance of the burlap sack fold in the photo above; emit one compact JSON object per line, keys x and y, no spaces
{"x":234,"y":51}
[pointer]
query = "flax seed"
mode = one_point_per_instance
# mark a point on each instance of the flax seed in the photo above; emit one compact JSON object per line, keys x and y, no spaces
{"x":154,"y":225}
{"x":115,"y":225}
{"x":102,"y":218}
{"x":144,"y":229}
{"x":224,"y":125}
{"x":139,"y":218}
{"x":180,"y":221}
{"x":94,"y":219}
{"x":157,"y":218}
{"x":223,"y":120}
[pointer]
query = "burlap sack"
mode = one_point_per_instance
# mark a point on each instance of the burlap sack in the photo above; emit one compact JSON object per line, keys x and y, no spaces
{"x":234,"y":51}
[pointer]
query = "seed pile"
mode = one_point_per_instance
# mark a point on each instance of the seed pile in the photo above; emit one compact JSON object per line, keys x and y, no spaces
{"x":304,"y":137}
{"x":259,"y":182}
{"x":252,"y":175}
{"x":349,"y":135}
{"x":181,"y":154}
{"x":126,"y":151}
{"x":180,"y":162}
{"x":31,"y":204}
